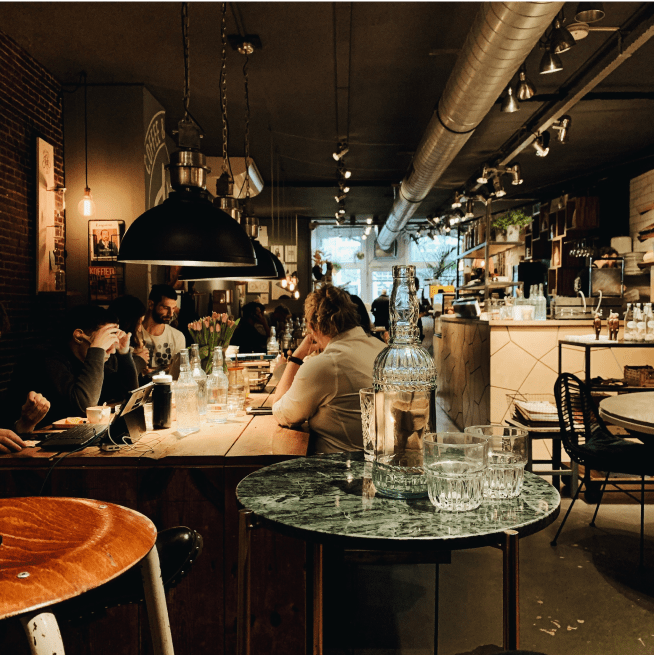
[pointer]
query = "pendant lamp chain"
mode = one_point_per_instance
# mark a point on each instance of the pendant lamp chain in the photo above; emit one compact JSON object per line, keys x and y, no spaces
{"x":187,"y":64}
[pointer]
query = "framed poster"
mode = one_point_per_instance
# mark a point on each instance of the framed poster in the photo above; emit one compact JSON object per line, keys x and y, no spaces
{"x":104,"y":240}
{"x":105,"y":283}
{"x":290,"y":254}
{"x":277,"y":250}
{"x":258,"y":286}
{"x":46,"y":264}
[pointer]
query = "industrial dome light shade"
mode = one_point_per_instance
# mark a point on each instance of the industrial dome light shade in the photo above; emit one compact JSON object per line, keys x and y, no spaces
{"x":550,"y":63}
{"x":561,"y":39}
{"x":525,"y":88}
{"x":268,"y":267}
{"x":187,"y":229}
{"x":510,"y":104}
{"x":589,"y":12}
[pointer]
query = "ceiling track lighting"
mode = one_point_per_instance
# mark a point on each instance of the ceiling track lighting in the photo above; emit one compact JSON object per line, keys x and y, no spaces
{"x":341,"y":151}
{"x":470,"y":209}
{"x":187,"y":229}
{"x":457,"y":200}
{"x":516,"y":174}
{"x":589,"y":12}
{"x":510,"y":103}
{"x":340,"y":198}
{"x":562,"y":126}
{"x":499,"y":188}
{"x":524,"y":89}
{"x":486,"y":173}
{"x":550,"y":63}
{"x":561,"y":40}
{"x":541,"y":144}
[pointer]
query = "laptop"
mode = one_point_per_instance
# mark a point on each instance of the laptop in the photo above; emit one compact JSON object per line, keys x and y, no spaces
{"x":126,"y":428}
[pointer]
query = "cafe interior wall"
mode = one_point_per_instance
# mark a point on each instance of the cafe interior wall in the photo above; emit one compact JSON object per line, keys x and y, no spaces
{"x":118,"y":117}
{"x":31,"y":107}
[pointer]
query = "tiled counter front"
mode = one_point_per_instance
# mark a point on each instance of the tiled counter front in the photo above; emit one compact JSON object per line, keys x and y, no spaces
{"x":463,"y":364}
{"x":480,"y":363}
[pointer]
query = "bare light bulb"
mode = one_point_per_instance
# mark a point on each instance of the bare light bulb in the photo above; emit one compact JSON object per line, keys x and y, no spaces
{"x":284,"y":283}
{"x":296,"y":295}
{"x":86,"y":205}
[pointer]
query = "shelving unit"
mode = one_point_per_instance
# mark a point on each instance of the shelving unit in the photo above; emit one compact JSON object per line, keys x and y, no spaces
{"x":484,"y":251}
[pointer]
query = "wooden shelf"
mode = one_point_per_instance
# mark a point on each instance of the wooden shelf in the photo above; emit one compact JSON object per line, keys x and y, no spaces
{"x":491,"y":285}
{"x":494,"y":248}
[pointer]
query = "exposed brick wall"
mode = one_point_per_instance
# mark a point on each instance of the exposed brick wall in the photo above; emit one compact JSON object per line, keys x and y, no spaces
{"x":30,"y":107}
{"x":641,"y":208}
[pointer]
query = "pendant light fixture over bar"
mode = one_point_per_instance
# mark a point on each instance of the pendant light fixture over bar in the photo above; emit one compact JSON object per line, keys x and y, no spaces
{"x":86,"y":205}
{"x":187,"y":229}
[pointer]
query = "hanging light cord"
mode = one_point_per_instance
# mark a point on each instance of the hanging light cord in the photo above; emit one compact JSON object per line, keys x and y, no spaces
{"x":223,"y":88}
{"x":247,"y":129}
{"x":86,"y":135}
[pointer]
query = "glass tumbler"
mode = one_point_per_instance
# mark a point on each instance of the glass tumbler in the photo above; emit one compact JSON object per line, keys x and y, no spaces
{"x":367,"y":397}
{"x":455,"y":465}
{"x":507,"y":458}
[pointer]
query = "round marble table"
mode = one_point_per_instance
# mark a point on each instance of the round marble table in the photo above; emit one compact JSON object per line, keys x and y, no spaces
{"x":330,"y":500}
{"x":631,"y":411}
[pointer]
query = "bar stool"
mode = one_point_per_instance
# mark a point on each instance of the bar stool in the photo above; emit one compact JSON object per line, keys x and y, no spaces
{"x":53,"y":549}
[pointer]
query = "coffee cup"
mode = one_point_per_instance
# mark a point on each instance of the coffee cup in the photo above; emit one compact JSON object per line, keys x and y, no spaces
{"x":98,"y":414}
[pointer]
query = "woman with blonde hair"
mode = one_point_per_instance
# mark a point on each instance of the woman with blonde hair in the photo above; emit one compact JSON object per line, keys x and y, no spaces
{"x":325,"y":389}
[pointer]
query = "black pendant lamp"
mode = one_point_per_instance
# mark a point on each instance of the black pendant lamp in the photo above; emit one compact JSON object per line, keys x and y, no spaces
{"x":187,"y":229}
{"x":268,"y":266}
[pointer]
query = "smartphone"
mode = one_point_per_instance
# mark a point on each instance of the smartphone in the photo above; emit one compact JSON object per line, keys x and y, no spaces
{"x":259,"y":411}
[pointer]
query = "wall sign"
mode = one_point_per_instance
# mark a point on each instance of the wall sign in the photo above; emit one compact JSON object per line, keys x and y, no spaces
{"x":46,"y":265}
{"x":106,"y":275}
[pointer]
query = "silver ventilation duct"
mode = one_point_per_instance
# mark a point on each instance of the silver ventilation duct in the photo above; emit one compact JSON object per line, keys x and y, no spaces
{"x":502,"y":36}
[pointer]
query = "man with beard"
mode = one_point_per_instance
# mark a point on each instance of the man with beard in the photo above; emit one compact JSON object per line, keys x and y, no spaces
{"x":163,"y":341}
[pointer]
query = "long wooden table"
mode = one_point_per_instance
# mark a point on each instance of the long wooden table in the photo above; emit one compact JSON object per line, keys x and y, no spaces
{"x":189,"y":481}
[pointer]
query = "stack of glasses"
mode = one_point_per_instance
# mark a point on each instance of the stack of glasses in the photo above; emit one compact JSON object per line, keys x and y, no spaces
{"x":483,"y":462}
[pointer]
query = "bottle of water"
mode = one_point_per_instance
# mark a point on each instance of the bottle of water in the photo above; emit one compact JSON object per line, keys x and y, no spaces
{"x":186,"y":397}
{"x":541,"y":305}
{"x":200,"y":377}
{"x":272,"y":346}
{"x":217,"y":385}
{"x":404,"y":379}
{"x":629,"y":324}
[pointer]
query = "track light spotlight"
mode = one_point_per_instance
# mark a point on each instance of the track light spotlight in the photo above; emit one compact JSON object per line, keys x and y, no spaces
{"x":369,"y":229}
{"x":589,"y":12}
{"x":457,"y":201}
{"x":497,"y":185}
{"x":525,"y":88}
{"x":340,"y":198}
{"x":541,"y":144}
{"x":341,"y":151}
{"x":470,"y":207}
{"x":509,"y":104}
{"x":550,"y":63}
{"x":364,"y":236}
{"x":515,"y":173}
{"x":345,"y":189}
{"x":484,"y":177}
{"x":447,"y":229}
{"x":563,"y":128}
{"x":341,"y":210}
{"x":369,"y":220}
{"x":561,"y":39}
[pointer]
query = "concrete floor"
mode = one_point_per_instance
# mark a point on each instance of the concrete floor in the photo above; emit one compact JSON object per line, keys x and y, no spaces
{"x":586,"y":596}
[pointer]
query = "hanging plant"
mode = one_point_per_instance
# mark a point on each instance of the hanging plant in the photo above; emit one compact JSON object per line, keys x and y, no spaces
{"x":512,"y":217}
{"x":360,"y":255}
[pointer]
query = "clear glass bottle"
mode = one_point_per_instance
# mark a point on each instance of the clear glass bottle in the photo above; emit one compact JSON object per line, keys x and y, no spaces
{"x":186,"y":397}
{"x":649,"y":322}
{"x":639,"y":319}
{"x":541,"y":304}
{"x":217,"y":385}
{"x":404,"y":379}
{"x":272,"y":345}
{"x":629,"y":324}
{"x":200,"y":377}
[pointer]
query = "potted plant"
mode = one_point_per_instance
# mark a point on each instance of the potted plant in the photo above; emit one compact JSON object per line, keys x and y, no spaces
{"x":511,"y":222}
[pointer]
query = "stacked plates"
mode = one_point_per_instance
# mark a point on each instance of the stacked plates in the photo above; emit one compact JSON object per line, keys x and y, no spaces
{"x":537,"y":410}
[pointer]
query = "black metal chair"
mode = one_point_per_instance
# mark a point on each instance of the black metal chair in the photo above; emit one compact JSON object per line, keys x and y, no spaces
{"x":588,"y":442}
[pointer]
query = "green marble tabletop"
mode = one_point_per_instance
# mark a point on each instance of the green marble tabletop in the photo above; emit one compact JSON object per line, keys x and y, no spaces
{"x":331,"y":499}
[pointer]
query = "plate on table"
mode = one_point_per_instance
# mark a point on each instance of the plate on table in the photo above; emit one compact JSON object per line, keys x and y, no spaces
{"x":69,"y":422}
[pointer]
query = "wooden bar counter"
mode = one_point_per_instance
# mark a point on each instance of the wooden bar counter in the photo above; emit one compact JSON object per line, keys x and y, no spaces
{"x":187,"y":481}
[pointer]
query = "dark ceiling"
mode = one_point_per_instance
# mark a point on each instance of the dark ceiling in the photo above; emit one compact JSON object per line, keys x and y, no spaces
{"x":367,"y":72}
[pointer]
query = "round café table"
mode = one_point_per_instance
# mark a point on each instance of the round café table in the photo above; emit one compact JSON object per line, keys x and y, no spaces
{"x":330,"y":500}
{"x":53,"y":549}
{"x":631,"y":411}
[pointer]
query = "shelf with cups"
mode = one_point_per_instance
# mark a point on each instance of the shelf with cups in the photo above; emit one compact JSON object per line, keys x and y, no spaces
{"x":494,"y":248}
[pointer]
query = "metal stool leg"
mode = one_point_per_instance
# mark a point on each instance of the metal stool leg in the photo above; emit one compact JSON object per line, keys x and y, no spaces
{"x":42,"y":633}
{"x":155,"y":602}
{"x":599,"y":500}
{"x":245,"y":524}
{"x":642,"y":522}
{"x":510,"y":553}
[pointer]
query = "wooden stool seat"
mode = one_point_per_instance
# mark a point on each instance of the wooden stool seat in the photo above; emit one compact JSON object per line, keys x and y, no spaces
{"x":56,"y":548}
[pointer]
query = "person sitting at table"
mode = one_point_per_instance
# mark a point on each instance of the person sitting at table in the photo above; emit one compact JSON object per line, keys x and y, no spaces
{"x":89,"y":362}
{"x":130,"y":312}
{"x":34,"y":409}
{"x":324,"y":389}
{"x":251,"y":335}
{"x":277,"y":319}
{"x":364,"y":317}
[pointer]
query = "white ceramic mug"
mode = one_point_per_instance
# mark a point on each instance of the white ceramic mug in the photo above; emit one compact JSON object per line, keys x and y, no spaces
{"x":98,"y":414}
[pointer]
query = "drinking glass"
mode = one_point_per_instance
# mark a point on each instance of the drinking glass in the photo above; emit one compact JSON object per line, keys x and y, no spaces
{"x":455,"y":465}
{"x":507,"y":458}
{"x":234,"y":404}
{"x":217,"y":412}
{"x":367,"y":397}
